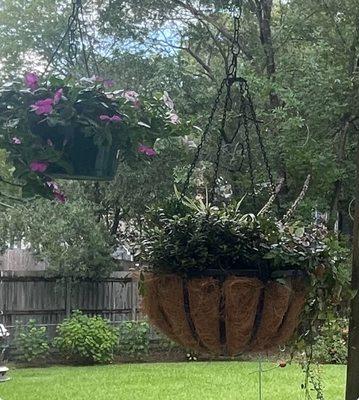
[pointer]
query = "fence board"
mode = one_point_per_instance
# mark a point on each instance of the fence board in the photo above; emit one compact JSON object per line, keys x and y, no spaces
{"x":30,"y":295}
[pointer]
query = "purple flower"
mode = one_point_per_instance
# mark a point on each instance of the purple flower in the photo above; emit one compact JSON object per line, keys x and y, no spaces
{"x":49,"y":142}
{"x":43,"y":107}
{"x":174,"y":119}
{"x":58,"y":95}
{"x":149,"y":151}
{"x":16,"y":140}
{"x":31,"y":80}
{"x":39,"y":166}
{"x":114,"y":118}
{"x":168,"y":101}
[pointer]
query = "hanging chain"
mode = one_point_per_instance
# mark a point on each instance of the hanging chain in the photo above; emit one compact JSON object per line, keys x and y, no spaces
{"x":247,"y":115}
{"x":261,"y":144}
{"x":231,"y":77}
{"x":74,"y":25}
{"x":235,"y":46}
{"x":247,"y":139}
{"x":202,"y":141}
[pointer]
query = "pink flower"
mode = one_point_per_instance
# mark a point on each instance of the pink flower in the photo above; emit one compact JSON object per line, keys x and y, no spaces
{"x":58,"y":195}
{"x":131,"y":96}
{"x":168,"y":101}
{"x":16,"y":140}
{"x":49,"y":142}
{"x":31,"y":80}
{"x":43,"y":107}
{"x":39,"y":166}
{"x":174,"y":119}
{"x":58,"y":95}
{"x":114,"y":118}
{"x":149,"y":151}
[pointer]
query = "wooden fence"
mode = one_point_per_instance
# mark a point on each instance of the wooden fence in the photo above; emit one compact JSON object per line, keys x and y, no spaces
{"x":28,"y":295}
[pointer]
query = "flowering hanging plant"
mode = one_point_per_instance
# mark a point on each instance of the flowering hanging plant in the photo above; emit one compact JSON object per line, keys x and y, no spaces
{"x":53,"y":128}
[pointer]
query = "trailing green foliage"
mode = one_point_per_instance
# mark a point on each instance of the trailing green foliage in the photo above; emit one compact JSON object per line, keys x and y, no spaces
{"x":31,"y":342}
{"x":86,"y":339}
{"x":331,"y":345}
{"x":134,"y":339}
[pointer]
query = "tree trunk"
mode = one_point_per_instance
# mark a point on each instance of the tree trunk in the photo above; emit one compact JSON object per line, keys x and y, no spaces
{"x":352,"y":391}
{"x":264,"y":15}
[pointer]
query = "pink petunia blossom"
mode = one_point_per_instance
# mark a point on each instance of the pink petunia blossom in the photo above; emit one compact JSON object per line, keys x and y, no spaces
{"x":168,"y":101}
{"x":148,"y":151}
{"x":38,"y":166}
{"x":31,"y":80}
{"x":174,"y":119}
{"x":43,"y":107}
{"x":58,"y":95}
{"x":114,"y":118}
{"x":16,"y":140}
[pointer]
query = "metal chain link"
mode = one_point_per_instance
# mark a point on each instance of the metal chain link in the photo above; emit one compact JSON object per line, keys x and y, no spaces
{"x":73,"y":23}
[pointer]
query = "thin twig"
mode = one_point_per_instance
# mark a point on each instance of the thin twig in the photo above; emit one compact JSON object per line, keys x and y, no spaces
{"x":298,"y":199}
{"x":272,"y":198}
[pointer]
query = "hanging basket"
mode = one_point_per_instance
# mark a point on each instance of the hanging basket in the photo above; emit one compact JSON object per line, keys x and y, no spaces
{"x":82,"y":158}
{"x":228,"y":315}
{"x":87,"y":160}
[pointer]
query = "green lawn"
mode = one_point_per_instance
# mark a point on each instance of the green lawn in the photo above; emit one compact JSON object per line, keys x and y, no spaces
{"x":200,"y":381}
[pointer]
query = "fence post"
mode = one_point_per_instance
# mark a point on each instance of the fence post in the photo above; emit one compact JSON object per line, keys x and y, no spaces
{"x":68,"y":297}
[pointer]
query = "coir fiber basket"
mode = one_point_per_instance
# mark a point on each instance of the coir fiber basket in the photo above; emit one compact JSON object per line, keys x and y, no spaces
{"x":227,"y":315}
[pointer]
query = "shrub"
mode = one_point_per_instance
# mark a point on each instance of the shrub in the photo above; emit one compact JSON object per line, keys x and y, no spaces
{"x":31,"y":341}
{"x":86,"y":339}
{"x":134,"y":338}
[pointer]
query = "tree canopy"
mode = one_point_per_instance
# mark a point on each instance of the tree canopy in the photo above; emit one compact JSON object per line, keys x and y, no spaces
{"x":300,"y":58}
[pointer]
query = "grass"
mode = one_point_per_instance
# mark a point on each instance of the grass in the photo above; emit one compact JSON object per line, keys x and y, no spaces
{"x":173,"y":381}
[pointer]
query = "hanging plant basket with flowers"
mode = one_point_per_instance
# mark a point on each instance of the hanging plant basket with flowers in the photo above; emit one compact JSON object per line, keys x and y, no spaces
{"x":224,"y":282}
{"x":77,"y":130}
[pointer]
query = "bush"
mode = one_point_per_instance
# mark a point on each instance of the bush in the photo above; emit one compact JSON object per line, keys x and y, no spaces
{"x":86,"y":339}
{"x":134,"y":338}
{"x":332,"y":344}
{"x":31,"y":341}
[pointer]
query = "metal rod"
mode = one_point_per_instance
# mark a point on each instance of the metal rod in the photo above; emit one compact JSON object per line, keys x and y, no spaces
{"x":260,"y":376}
